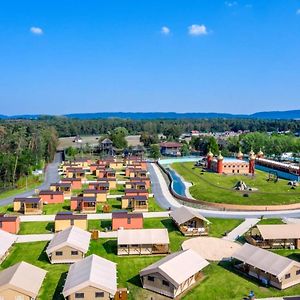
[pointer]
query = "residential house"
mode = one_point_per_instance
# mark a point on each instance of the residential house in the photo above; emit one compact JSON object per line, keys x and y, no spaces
{"x":143,"y":241}
{"x":28,"y":206}
{"x":10,"y":223}
{"x":174,"y":274}
{"x":136,"y":192}
{"x":139,"y":185}
{"x":76,"y":173}
{"x":21,"y":281}
{"x":266,"y":266}
{"x":68,"y":246}
{"x":125,"y":220}
{"x":106,"y":147}
{"x":189,"y":221}
{"x":111,"y":181}
{"x":66,"y":219}
{"x":170,"y":148}
{"x":84,"y":204}
{"x":92,"y":278}
{"x":139,"y":179}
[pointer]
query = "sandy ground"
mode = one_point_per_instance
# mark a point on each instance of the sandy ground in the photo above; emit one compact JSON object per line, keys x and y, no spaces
{"x":210,"y":248}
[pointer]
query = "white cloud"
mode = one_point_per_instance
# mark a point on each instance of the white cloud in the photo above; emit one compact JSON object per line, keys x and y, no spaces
{"x":298,"y":12}
{"x":165,"y":30}
{"x":197,"y":30}
{"x":231,"y":3}
{"x":36,"y":30}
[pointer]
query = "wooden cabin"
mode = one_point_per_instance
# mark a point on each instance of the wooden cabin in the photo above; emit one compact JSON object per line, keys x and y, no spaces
{"x":66,"y":219}
{"x":101,"y":195}
{"x":125,"y":220}
{"x":143,"y":241}
{"x":174,"y":274}
{"x":76,"y":183}
{"x":135,"y":203}
{"x":64,"y":187}
{"x":10,"y":223}
{"x":28,"y":206}
{"x":50,"y":197}
{"x":84,"y":204}
{"x":68,"y":246}
{"x":189,"y":221}
{"x":100,"y":186}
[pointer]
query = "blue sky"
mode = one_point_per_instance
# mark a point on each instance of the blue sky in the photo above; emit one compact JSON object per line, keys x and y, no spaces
{"x":64,"y":56}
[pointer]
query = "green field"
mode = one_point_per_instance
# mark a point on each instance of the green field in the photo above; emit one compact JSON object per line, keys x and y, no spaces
{"x":220,"y":282}
{"x":218,"y":188}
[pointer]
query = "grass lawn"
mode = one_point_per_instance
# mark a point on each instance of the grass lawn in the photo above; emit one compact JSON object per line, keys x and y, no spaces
{"x":220,"y":282}
{"x":52,"y":209}
{"x":118,"y":191}
{"x":270,"y":221}
{"x":36,"y":227}
{"x":219,"y":188}
{"x":17,"y":191}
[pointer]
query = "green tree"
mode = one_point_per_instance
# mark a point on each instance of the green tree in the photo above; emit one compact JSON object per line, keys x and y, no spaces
{"x":154,"y":151}
{"x":118,"y":137}
{"x":185,"y":151}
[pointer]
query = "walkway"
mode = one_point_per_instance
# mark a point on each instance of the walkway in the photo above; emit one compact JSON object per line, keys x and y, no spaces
{"x":51,"y":175}
{"x":241,"y":229}
{"x":27,"y":238}
{"x":101,"y":216}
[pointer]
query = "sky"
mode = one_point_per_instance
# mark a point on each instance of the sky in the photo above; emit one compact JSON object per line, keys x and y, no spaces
{"x":72,"y":56}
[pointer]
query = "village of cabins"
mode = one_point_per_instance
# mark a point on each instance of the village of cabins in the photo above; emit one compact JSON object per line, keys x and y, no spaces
{"x":94,"y":277}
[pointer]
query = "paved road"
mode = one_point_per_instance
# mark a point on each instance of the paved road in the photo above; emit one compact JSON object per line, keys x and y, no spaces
{"x":51,"y":175}
{"x":241,"y":229}
{"x":165,"y":199}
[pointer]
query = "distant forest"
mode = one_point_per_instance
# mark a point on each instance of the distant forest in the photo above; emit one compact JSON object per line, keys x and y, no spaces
{"x":28,"y":144}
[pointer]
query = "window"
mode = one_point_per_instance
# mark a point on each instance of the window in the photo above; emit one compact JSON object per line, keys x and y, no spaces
{"x":298,"y":272}
{"x":79,"y":295}
{"x":74,"y":252}
{"x":166,"y":283}
{"x":150,"y":278}
{"x":1,"y":225}
{"x":99,"y":295}
{"x":134,"y":245}
{"x":19,"y":297}
{"x":58,"y":253}
{"x":128,"y":220}
{"x":287,"y":276}
{"x":72,"y":222}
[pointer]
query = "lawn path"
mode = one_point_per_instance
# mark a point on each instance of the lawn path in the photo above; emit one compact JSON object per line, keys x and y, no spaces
{"x":27,"y":238}
{"x":241,"y":229}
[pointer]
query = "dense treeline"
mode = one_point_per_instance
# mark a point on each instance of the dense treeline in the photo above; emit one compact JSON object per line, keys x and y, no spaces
{"x":24,"y":146}
{"x":170,"y":128}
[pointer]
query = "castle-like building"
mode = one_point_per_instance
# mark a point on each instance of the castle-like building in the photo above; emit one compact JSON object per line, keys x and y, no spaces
{"x":236,"y":165}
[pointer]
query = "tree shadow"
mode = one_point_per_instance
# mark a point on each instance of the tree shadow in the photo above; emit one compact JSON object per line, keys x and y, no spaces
{"x":169,"y":224}
{"x":105,"y":224}
{"x":110,"y":246}
{"x":43,"y":257}
{"x":57,"y":293}
{"x":50,"y":227}
{"x":135,"y":280}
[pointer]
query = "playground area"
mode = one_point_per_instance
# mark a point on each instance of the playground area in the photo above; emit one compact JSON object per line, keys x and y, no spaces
{"x":264,"y":188}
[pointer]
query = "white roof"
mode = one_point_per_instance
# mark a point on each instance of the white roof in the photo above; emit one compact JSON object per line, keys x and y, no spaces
{"x":177,"y":267}
{"x":184,"y":214}
{"x":91,"y":271}
{"x":73,"y":236}
{"x":279,"y":231}
{"x":6,"y":241}
{"x":23,"y":277}
{"x":143,"y":236}
{"x":277,"y":163}
{"x":265,"y":260}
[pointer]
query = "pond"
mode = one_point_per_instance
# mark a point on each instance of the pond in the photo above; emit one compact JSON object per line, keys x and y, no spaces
{"x":177,"y":184}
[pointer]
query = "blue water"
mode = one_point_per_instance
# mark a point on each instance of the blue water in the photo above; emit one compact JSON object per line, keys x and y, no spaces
{"x":177,"y":184}
{"x":280,"y":174}
{"x":169,"y":161}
